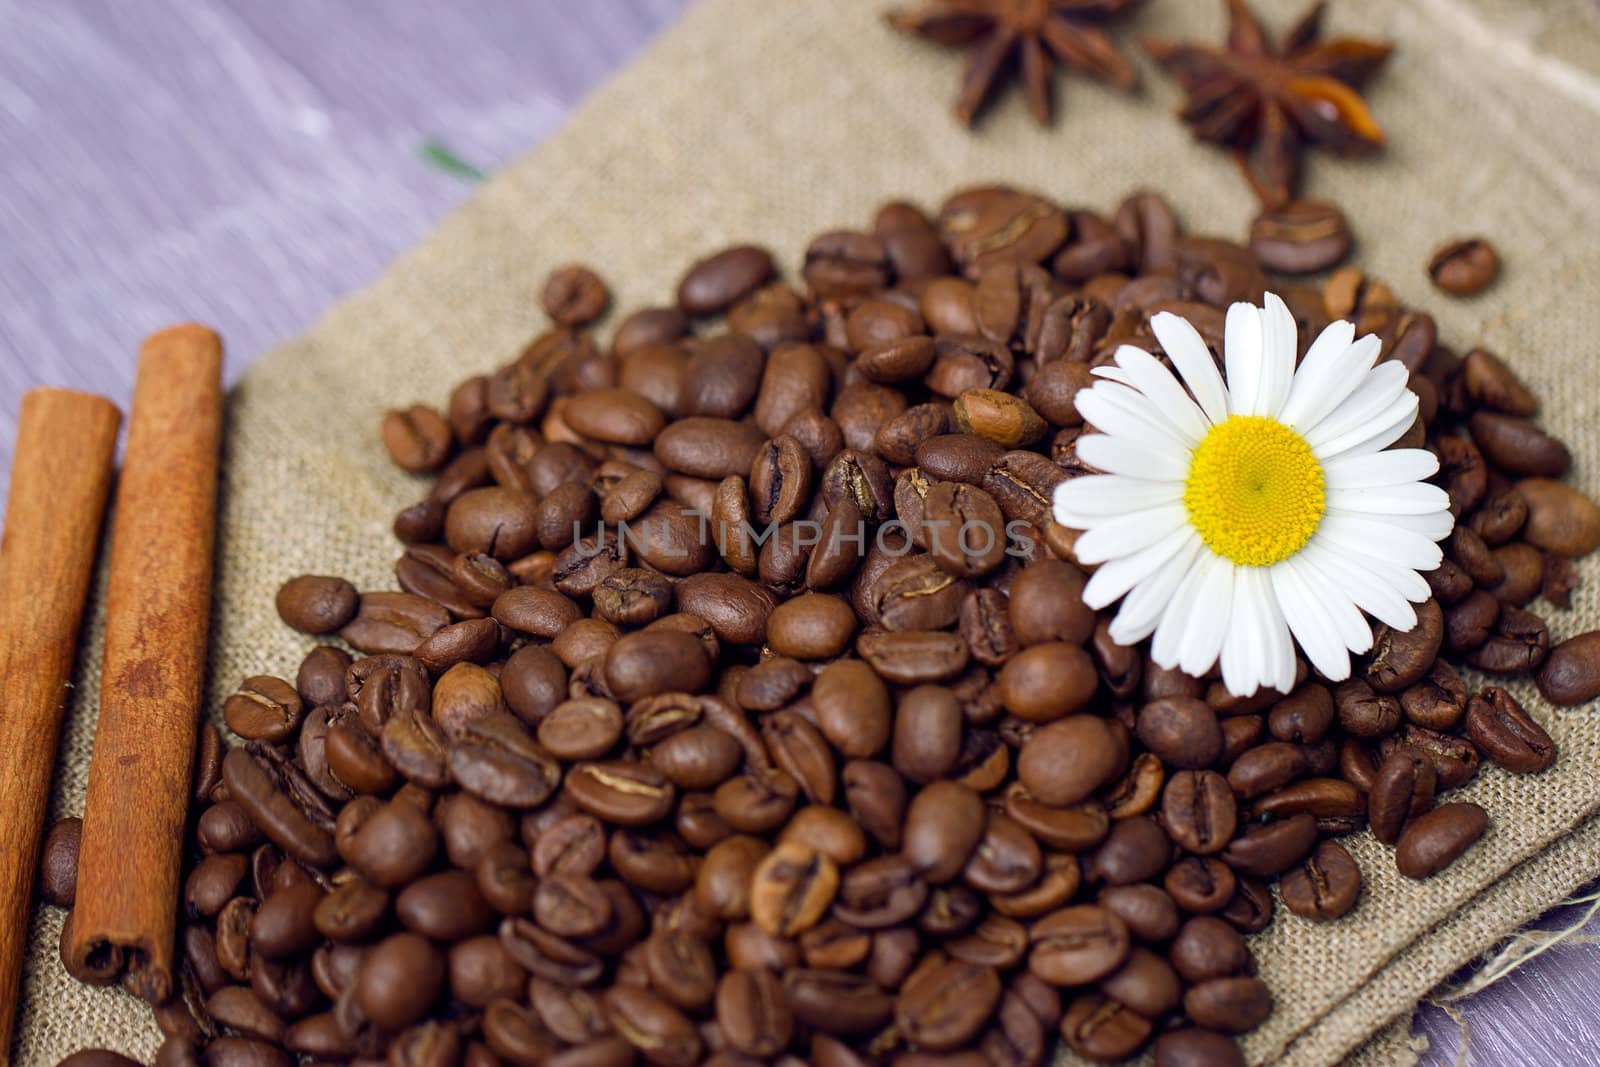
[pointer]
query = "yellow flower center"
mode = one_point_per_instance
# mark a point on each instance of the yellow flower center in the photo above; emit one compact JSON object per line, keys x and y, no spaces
{"x":1255,"y":491}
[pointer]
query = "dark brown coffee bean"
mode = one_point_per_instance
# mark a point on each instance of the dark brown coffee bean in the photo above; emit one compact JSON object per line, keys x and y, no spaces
{"x":837,"y":1002}
{"x":1300,"y":237}
{"x":315,"y":604}
{"x":58,"y":865}
{"x":722,"y":280}
{"x":1325,"y":886}
{"x":1048,"y":681}
{"x":1507,"y":734}
{"x":1519,"y":643}
{"x":1571,"y":673}
{"x":927,"y":734}
{"x":1364,"y":713}
{"x":1184,"y":732}
{"x":1560,"y":519}
{"x":1199,"y":811}
{"x":1103,"y":1030}
{"x":574,"y":296}
{"x":1272,"y":848}
{"x":753,"y":1013}
{"x":1400,"y":659}
{"x":1077,"y":945}
{"x":1233,"y":1005}
{"x":914,"y":657}
{"x":257,"y":788}
{"x":418,"y":438}
{"x":1064,"y":762}
{"x":1464,"y":267}
{"x":1267,"y":767}
{"x":943,"y":1007}
{"x":1433,"y":841}
{"x":626,"y":794}
{"x":1518,"y":446}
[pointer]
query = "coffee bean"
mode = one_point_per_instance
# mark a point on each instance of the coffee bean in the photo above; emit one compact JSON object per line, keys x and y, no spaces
{"x":622,"y":793}
{"x":1272,"y":848}
{"x":943,"y":1007}
{"x":1065,"y":761}
{"x":418,"y":439}
{"x":1518,"y":446}
{"x":1464,"y":267}
{"x":1507,"y":734}
{"x":1199,"y":811}
{"x":1433,"y":841}
{"x":1560,"y":519}
{"x":836,"y":1002}
{"x":1077,"y":945}
{"x":315,"y":604}
{"x":58,"y":863}
{"x":811,"y":626}
{"x":1325,"y":886}
{"x":1571,"y":673}
{"x":573,"y":296}
{"x":1104,"y":1030}
{"x":1048,"y":681}
{"x":1300,"y":237}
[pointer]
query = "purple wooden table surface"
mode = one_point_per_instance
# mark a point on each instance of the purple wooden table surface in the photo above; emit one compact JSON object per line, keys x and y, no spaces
{"x":248,"y":163}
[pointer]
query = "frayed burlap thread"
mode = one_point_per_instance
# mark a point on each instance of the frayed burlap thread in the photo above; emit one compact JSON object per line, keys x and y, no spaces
{"x":770,"y":122}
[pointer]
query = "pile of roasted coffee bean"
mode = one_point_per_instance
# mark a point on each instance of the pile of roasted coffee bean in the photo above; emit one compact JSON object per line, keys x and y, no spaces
{"x":740,"y":705}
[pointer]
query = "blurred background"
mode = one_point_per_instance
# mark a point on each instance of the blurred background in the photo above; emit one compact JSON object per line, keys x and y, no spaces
{"x":248,"y":163}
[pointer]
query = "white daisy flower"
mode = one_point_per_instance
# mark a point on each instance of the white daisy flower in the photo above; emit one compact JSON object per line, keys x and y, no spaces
{"x":1237,"y":513}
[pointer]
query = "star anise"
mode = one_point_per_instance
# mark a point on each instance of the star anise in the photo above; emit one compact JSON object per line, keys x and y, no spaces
{"x":1035,"y":35}
{"x":1267,"y":102}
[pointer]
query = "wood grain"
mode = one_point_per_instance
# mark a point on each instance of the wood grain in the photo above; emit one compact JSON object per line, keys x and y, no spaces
{"x":158,"y":609}
{"x":66,"y":444}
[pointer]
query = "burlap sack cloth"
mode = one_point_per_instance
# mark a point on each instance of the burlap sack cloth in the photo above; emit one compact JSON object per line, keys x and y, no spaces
{"x":771,"y":121}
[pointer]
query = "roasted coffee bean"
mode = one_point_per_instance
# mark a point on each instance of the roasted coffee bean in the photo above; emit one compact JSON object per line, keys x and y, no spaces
{"x":1198,"y":810}
{"x":1325,"y":886}
{"x":1103,"y":1030}
{"x":58,"y":865}
{"x":1065,"y":761}
{"x":1464,"y":267}
{"x":927,"y":734}
{"x":943,"y":1007}
{"x":913,"y":657}
{"x":1134,"y":850}
{"x":1200,"y":885}
{"x":1048,"y":681}
{"x":1571,"y":673}
{"x":752,"y":1012}
{"x":626,"y":794}
{"x":810,"y":627}
{"x":1272,"y":848}
{"x":1233,"y":1005}
{"x":722,"y":280}
{"x":836,"y":1002}
{"x":1507,"y":734}
{"x":1399,"y":659}
{"x":1077,"y":945}
{"x":1300,"y":237}
{"x":1433,"y":841}
{"x":315,"y":604}
{"x":1184,"y":732}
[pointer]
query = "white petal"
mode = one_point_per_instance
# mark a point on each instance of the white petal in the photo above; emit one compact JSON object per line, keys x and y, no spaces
{"x":1162,"y":390}
{"x":1394,"y":467}
{"x":1082,"y":502}
{"x":1275,"y":638}
{"x":1155,"y":459}
{"x":1371,"y":535}
{"x":1311,"y":626}
{"x":1142,"y":608}
{"x":1434,"y":525}
{"x":1112,"y":374}
{"x":1378,"y":433}
{"x":1379,"y":389}
{"x":1201,"y":641}
{"x":1119,"y":411}
{"x":1398,"y":577}
{"x":1326,"y":376}
{"x":1280,"y":345}
{"x":1185,"y":612}
{"x":1129,"y":533}
{"x":1352,"y":629}
{"x":1244,"y":661}
{"x":1183,"y":345}
{"x":1243,"y":356}
{"x":1416,"y":498}
{"x":1115,"y":577}
{"x":1366,"y":587}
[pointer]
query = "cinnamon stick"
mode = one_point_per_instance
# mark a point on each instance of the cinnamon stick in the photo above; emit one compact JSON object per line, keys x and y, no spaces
{"x":60,"y":475}
{"x":157,"y":614}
